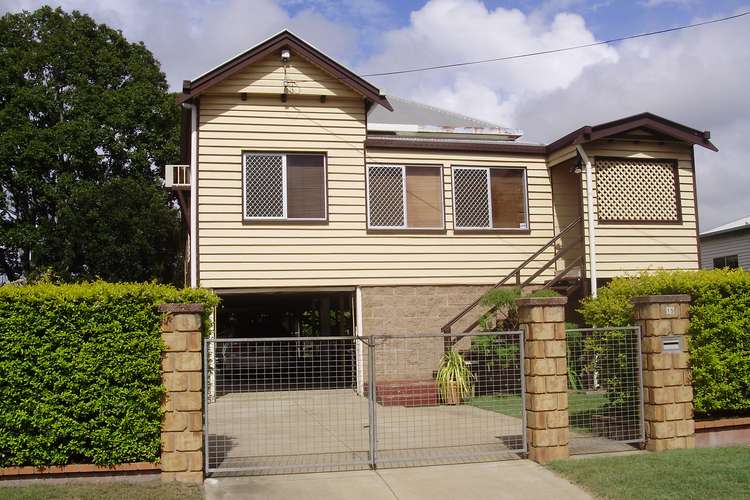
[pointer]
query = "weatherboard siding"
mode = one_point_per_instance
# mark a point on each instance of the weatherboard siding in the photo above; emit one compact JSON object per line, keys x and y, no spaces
{"x":631,"y":248}
{"x":734,"y":243}
{"x":341,"y":252}
{"x":267,"y":77}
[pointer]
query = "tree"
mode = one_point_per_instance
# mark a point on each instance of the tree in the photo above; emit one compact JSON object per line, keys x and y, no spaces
{"x":86,"y":120}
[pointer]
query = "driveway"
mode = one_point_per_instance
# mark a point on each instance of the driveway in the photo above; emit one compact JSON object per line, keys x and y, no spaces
{"x":328,"y":430}
{"x":514,"y":479}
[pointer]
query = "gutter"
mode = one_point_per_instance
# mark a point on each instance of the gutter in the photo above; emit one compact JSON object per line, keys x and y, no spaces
{"x":590,"y":209}
{"x":193,"y":193}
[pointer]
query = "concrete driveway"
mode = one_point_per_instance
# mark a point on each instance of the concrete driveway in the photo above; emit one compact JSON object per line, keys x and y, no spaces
{"x":514,"y":479}
{"x":328,"y":430}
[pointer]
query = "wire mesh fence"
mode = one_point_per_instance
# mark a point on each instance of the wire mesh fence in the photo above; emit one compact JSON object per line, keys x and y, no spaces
{"x":282,"y":405}
{"x":605,"y":400}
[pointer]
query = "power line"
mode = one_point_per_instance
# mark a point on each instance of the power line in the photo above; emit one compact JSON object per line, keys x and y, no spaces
{"x":563,"y":49}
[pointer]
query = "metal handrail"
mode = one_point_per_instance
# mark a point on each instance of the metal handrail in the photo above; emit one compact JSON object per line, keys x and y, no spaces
{"x":517,"y":273}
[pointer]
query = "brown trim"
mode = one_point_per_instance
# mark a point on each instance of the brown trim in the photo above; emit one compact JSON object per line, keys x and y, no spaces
{"x":284,"y":40}
{"x":720,"y":423}
{"x":180,"y":308}
{"x":32,"y":470}
{"x":492,"y":230}
{"x":197,"y":190}
{"x":406,"y":229}
{"x":286,"y":221}
{"x":641,"y":222}
{"x":482,"y":147}
{"x":541,"y":301}
{"x":645,"y":120}
{"x":695,"y":205}
{"x":660,"y":299}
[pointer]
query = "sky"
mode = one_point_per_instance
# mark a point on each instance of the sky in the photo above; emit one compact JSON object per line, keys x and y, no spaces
{"x":698,"y":77}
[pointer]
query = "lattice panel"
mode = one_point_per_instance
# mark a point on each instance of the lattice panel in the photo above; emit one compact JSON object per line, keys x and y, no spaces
{"x":472,"y":209}
{"x":264,"y":184}
{"x":629,"y":190}
{"x":386,"y":196}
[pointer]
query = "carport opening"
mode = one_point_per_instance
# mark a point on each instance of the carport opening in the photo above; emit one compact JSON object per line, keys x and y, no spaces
{"x":284,"y":347}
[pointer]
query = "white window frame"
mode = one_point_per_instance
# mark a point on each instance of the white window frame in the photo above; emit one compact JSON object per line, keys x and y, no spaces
{"x":488,"y":176}
{"x":284,"y":187}
{"x":405,"y":226}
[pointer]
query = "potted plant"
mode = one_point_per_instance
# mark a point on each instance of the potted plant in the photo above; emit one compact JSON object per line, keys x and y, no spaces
{"x":454,"y":379}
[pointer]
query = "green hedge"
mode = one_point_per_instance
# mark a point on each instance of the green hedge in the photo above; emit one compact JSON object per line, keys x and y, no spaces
{"x":80,"y":374}
{"x":719,"y":329}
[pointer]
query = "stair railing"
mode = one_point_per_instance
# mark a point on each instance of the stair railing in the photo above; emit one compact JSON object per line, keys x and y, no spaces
{"x":517,"y":274}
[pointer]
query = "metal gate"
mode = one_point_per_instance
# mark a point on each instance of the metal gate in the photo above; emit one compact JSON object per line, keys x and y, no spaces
{"x":605,"y":389}
{"x":280,"y":405}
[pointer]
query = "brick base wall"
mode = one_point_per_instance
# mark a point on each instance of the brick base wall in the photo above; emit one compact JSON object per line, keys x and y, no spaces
{"x":411,"y":311}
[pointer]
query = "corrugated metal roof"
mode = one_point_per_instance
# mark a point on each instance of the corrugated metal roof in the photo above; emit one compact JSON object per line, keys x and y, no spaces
{"x":735,"y":225}
{"x":432,"y":119}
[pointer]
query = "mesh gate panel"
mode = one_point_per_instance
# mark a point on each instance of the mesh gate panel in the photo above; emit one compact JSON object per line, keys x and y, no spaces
{"x":605,"y":389}
{"x":264,"y":181}
{"x":637,"y":190}
{"x":421,"y":421}
{"x":471,"y":198}
{"x":312,"y":404}
{"x":385,"y":191}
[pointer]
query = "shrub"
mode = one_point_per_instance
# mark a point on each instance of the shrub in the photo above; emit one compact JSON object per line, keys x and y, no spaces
{"x":719,"y":328}
{"x":80,"y":374}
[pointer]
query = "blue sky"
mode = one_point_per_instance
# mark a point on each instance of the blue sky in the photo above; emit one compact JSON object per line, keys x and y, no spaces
{"x":697,"y":77}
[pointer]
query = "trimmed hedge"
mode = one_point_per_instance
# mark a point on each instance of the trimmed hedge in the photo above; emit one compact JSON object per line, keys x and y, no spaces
{"x":719,"y":329}
{"x":80,"y":372}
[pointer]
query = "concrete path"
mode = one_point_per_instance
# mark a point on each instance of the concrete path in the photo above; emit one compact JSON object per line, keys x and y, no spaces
{"x":513,"y":479}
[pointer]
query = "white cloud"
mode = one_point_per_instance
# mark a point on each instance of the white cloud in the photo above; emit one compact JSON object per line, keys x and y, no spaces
{"x":191,"y":38}
{"x":659,"y":3}
{"x":446,"y":31}
{"x":696,"y":77}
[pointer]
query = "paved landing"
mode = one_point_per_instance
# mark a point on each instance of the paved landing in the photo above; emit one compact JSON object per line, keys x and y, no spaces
{"x":517,"y":479}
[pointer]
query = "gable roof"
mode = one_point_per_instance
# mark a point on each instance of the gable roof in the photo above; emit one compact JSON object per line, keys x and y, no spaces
{"x":729,"y":227}
{"x":283,"y":40}
{"x":412,"y":116}
{"x":643,"y":120}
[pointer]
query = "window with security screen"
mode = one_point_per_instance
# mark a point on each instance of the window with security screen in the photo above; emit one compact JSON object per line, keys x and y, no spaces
{"x":284,"y":186}
{"x":491,"y":198}
{"x":404,"y":197}
{"x":637,"y":191}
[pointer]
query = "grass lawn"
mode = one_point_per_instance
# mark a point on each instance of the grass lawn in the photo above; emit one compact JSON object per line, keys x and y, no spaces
{"x":147,"y":490}
{"x":578,"y":402}
{"x":714,"y":473}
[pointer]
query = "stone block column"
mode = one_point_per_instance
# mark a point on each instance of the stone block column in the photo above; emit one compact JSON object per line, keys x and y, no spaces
{"x":546,"y":370}
{"x":182,"y":376}
{"x":667,"y":379}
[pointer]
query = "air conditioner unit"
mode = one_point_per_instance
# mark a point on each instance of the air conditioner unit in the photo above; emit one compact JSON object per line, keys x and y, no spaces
{"x":177,"y":176}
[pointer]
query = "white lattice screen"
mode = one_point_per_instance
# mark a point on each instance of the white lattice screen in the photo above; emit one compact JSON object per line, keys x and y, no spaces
{"x":471,"y":197}
{"x":264,"y":181}
{"x":637,"y":190}
{"x":385,"y":195}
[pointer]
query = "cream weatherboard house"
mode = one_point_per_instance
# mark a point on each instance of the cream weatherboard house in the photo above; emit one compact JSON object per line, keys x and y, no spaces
{"x":319,"y":206}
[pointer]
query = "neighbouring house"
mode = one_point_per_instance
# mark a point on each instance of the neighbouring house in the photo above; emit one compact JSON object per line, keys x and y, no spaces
{"x":319,"y":206}
{"x":726,"y":246}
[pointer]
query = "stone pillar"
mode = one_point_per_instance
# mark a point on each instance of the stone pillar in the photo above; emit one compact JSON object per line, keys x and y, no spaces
{"x":182,"y":376}
{"x":667,"y":380}
{"x":546,"y":371}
